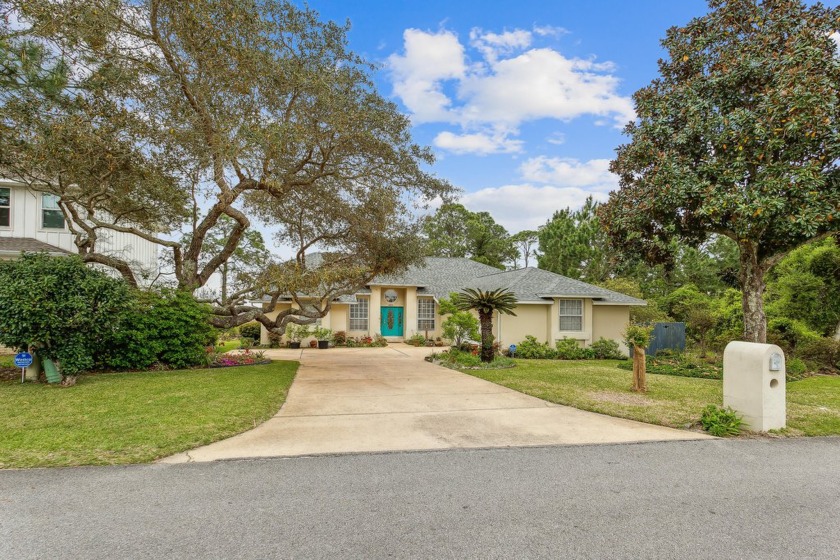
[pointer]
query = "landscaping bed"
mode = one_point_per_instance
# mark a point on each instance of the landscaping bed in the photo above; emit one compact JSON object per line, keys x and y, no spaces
{"x":120,"y":418}
{"x":813,"y":404}
{"x":461,"y":360}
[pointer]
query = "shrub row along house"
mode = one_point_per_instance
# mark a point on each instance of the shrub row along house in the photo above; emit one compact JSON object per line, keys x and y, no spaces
{"x":549,"y":306}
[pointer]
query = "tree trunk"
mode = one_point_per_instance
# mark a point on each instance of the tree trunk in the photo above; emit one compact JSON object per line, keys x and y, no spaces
{"x":753,"y":286}
{"x":639,"y":370}
{"x":486,"y":320}
{"x":224,"y":282}
{"x":837,"y":332}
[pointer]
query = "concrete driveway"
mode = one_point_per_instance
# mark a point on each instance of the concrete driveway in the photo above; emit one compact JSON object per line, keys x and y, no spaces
{"x":352,"y":400}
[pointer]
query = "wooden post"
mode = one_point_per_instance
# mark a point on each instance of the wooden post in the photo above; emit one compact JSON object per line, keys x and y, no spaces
{"x":639,"y":370}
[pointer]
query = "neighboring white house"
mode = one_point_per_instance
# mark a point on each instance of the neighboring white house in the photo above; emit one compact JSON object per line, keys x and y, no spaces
{"x":31,"y":221}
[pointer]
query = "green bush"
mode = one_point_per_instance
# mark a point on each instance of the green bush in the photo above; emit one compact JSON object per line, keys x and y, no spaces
{"x":251,"y":330}
{"x":459,"y":326}
{"x":721,"y":422}
{"x":790,"y":334}
{"x":530,"y":348}
{"x":459,"y":359}
{"x":680,"y":364}
{"x":795,"y":368}
{"x":605,"y":349}
{"x":823,"y":353}
{"x":167,"y":327}
{"x":568,"y":349}
{"x":65,"y":307}
{"x":638,"y":335}
{"x":416,"y":340}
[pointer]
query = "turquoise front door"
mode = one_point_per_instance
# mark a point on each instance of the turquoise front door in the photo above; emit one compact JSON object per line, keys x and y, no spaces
{"x":392,"y":321}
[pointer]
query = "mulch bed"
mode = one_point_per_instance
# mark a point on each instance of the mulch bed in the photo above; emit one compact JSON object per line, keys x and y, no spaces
{"x":9,"y":374}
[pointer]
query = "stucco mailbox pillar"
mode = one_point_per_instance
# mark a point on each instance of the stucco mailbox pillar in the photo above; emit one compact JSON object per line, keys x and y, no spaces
{"x":754,"y":384}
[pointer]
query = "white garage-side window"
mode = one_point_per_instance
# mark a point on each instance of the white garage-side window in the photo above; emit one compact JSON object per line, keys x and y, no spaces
{"x":51,"y":215}
{"x":5,"y":207}
{"x":359,"y":315}
{"x":425,"y":314}
{"x":571,"y":314}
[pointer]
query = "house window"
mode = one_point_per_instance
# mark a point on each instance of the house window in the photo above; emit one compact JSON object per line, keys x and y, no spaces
{"x":425,"y":314}
{"x":51,"y":215}
{"x":5,"y":207}
{"x":359,"y":315}
{"x":571,"y":314}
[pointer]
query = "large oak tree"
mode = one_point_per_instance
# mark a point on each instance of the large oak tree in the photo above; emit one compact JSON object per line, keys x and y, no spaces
{"x":184,"y":120}
{"x":737,"y":137}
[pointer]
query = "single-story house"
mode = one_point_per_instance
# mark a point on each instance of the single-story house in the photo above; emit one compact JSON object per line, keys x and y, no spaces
{"x":550,"y":306}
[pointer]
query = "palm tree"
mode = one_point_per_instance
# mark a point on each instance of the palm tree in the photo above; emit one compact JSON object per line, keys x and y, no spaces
{"x":486,"y":303}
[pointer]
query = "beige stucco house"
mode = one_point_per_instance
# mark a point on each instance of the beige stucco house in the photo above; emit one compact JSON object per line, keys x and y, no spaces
{"x":550,"y":307}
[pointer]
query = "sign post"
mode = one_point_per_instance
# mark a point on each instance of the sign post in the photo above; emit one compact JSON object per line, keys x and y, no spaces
{"x":23,"y":360}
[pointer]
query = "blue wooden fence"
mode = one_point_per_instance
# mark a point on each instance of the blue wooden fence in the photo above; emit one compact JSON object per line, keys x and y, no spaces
{"x":666,"y":336}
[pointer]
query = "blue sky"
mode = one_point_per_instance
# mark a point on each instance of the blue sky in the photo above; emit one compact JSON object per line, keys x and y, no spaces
{"x":523,"y":102}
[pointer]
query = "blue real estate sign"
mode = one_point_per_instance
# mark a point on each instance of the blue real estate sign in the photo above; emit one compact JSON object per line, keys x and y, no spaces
{"x":24,"y":359}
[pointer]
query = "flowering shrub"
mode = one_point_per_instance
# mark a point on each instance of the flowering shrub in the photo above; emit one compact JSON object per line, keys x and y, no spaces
{"x":244,"y":358}
{"x":366,"y":341}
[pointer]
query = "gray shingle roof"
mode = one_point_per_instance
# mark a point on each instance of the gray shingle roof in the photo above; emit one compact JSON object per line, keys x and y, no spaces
{"x":442,"y":276}
{"x":534,"y":284}
{"x":16,"y":245}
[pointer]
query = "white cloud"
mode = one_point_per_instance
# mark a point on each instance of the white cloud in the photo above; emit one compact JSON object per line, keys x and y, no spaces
{"x":429,"y":59}
{"x":594,"y":175}
{"x":492,"y":45}
{"x":542,"y":83}
{"x":556,"y":138}
{"x":550,"y":30}
{"x":479,"y":143}
{"x":507,"y":82}
{"x":836,"y":38}
{"x":525,"y":206}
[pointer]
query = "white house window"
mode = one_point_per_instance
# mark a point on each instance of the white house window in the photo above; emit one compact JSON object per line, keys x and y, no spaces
{"x":571,"y":314}
{"x":359,"y":315}
{"x":5,"y":207}
{"x":425,"y":314}
{"x":51,"y":216}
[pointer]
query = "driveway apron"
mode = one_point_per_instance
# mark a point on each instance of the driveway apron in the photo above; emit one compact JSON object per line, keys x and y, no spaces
{"x":356,"y":400}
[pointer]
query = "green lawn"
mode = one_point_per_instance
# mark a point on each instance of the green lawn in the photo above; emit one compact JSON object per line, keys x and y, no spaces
{"x":120,"y":418}
{"x":228,"y":345}
{"x":599,"y":386}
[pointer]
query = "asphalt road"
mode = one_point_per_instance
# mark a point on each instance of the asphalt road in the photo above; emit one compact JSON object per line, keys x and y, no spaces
{"x":699,"y":499}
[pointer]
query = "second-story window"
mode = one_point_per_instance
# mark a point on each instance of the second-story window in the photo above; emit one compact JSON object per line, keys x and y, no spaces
{"x":51,"y":216}
{"x":5,"y":207}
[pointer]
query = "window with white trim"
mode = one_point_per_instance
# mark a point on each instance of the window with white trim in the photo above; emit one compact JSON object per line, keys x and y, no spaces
{"x":5,"y":207}
{"x":425,"y":314}
{"x":571,"y":314}
{"x":359,"y":315}
{"x":51,"y":215}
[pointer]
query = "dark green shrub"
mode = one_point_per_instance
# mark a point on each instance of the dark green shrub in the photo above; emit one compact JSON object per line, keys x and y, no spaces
{"x":251,"y":330}
{"x":823,"y":353}
{"x":680,"y":364}
{"x":65,"y":307}
{"x":568,"y":349}
{"x":789,"y":334}
{"x":167,"y":327}
{"x":530,"y":348}
{"x":721,"y":422}
{"x":459,"y":359}
{"x":795,"y":369}
{"x":604,"y":349}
